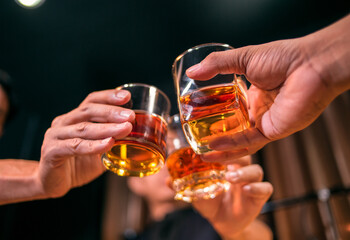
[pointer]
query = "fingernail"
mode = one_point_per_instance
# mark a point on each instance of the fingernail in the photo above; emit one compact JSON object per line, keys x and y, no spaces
{"x":125,"y":113}
{"x":121,"y":125}
{"x":247,"y":188}
{"x":233,"y":176}
{"x":194,"y":68}
{"x":106,"y":140}
{"x":120,"y":95}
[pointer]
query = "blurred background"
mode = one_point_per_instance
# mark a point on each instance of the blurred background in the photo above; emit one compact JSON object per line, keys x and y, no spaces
{"x":62,"y":50}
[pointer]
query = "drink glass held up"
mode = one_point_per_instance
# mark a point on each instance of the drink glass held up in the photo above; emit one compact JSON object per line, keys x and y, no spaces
{"x":192,"y":178}
{"x":143,"y":151}
{"x":209,"y":108}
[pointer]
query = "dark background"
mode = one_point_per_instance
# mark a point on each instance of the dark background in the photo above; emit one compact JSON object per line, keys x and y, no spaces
{"x":63,"y":50}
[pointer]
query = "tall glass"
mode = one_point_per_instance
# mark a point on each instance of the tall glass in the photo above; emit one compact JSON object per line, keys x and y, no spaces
{"x":192,"y":178}
{"x":209,"y":108}
{"x":143,"y":151}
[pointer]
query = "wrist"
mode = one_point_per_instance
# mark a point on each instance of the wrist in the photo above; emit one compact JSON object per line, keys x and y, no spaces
{"x":19,"y":181}
{"x":327,"y":55}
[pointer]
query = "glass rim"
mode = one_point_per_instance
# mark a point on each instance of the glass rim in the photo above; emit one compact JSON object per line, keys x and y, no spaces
{"x":149,"y":86}
{"x":198,"y":47}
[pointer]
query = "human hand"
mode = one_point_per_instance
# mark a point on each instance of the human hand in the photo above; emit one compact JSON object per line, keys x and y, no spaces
{"x":292,"y":83}
{"x":231,"y":212}
{"x":72,"y":147}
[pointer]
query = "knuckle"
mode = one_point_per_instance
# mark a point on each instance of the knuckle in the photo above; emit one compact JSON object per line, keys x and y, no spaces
{"x":48,"y":134}
{"x":44,"y":151}
{"x":91,"y":95}
{"x":246,"y":139}
{"x":49,"y":144}
{"x":233,"y":139}
{"x":47,"y":150}
{"x":57,"y":120}
{"x":85,"y":109}
{"x":110,"y":112}
{"x":74,"y":144}
{"x":216,"y":59}
{"x":90,"y":146}
{"x":82,"y":127}
{"x":212,"y":57}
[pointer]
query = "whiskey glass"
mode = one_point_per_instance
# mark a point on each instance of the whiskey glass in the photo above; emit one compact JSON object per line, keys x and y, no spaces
{"x":209,"y":108}
{"x":192,"y":178}
{"x":143,"y":151}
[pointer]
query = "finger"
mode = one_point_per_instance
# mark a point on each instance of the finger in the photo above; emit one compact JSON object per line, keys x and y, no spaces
{"x":208,"y":208}
{"x":90,"y":131}
{"x":223,"y":62}
{"x":250,"y":137}
{"x":260,"y":190}
{"x":247,"y":174}
{"x":112,"y":97}
{"x":76,"y":146}
{"x":241,"y":162}
{"x":228,"y":157}
{"x":94,"y":112}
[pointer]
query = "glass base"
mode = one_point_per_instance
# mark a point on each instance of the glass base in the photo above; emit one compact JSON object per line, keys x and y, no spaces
{"x":133,"y":159}
{"x":202,"y":149}
{"x":200,"y":185}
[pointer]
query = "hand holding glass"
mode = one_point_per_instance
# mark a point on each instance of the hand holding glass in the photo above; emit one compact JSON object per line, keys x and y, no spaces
{"x":143,"y":151}
{"x":209,"y":108}
{"x":192,"y":178}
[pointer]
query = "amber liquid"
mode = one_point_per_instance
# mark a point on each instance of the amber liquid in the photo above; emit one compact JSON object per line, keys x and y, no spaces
{"x":194,"y":179}
{"x":142,"y":152}
{"x":213,"y":111}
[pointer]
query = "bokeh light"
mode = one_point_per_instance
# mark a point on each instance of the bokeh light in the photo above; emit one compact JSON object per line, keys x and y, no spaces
{"x":30,"y":3}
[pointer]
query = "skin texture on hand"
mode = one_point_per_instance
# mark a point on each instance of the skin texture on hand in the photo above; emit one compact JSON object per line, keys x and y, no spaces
{"x":71,"y":150}
{"x":72,"y":147}
{"x":233,"y":213}
{"x":292,"y":82}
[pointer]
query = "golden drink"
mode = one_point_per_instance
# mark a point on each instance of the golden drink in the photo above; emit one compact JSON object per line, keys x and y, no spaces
{"x":142,"y":152}
{"x":194,"y":179}
{"x":213,"y":111}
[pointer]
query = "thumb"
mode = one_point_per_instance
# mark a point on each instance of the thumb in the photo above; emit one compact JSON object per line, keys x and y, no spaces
{"x":222,"y":62}
{"x":266,"y":66}
{"x":259,"y":192}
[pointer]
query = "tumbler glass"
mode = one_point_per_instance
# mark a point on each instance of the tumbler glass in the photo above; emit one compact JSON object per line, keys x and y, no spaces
{"x":143,"y":151}
{"x":192,"y":178}
{"x":209,"y":108}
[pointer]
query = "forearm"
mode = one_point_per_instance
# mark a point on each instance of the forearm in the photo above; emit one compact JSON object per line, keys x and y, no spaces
{"x":328,"y":52}
{"x":257,"y":230}
{"x":19,"y":181}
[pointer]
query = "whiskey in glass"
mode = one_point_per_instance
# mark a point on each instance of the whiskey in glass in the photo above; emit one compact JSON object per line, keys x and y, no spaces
{"x":209,"y":108}
{"x":192,"y":178}
{"x":143,"y":151}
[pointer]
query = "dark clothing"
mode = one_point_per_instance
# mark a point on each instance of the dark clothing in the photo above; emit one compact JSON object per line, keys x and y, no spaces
{"x":180,"y":225}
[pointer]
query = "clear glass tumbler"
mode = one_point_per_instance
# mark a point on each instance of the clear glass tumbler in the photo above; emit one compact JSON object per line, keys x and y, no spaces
{"x":209,"y":108}
{"x":143,"y":151}
{"x":192,"y":178}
